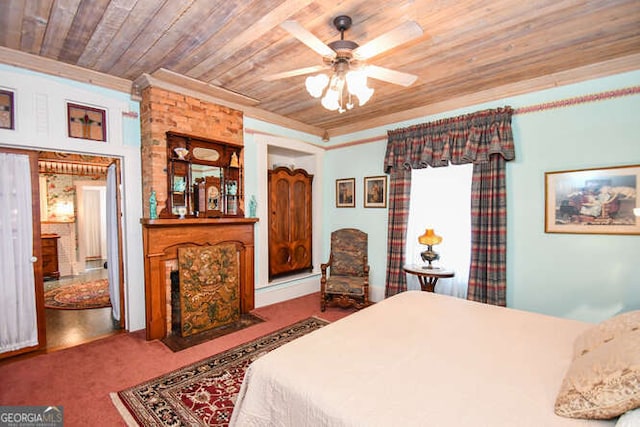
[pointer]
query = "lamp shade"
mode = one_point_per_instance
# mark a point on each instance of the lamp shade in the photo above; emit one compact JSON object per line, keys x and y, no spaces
{"x":429,"y":238}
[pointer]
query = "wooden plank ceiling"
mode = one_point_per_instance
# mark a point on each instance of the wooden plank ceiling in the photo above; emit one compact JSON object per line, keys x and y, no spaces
{"x":468,"y":47}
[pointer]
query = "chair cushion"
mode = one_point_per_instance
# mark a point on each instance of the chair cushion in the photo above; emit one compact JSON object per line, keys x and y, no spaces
{"x":349,"y":252}
{"x":345,"y":285}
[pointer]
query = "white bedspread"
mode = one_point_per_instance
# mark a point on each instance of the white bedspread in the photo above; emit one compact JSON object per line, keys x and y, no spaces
{"x":416,"y":359}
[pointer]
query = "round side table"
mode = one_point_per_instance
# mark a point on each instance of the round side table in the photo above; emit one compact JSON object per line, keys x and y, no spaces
{"x":428,"y":277}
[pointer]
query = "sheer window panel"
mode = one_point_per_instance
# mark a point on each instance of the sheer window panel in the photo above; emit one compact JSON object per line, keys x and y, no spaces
{"x":441,"y":199}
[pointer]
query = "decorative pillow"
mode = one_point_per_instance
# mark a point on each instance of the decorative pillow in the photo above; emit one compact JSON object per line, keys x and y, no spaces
{"x":604,"y":382}
{"x":605,"y":331}
{"x":629,"y":419}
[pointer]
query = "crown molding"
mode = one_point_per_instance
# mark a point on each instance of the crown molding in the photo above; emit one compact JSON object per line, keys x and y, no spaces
{"x":61,"y":69}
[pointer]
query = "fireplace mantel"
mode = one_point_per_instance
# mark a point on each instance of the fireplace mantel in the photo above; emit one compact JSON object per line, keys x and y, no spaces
{"x":161,"y":240}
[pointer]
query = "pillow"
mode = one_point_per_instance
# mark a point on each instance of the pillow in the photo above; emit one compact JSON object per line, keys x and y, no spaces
{"x":605,"y":331}
{"x":629,"y":419}
{"x":604,"y":382}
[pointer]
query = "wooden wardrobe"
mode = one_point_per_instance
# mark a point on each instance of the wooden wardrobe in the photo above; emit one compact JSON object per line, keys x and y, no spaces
{"x":289,"y":221}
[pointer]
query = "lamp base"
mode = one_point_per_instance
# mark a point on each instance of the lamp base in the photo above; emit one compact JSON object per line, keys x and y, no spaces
{"x":429,"y":256}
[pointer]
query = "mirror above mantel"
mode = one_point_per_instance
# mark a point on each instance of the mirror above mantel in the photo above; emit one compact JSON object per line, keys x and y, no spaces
{"x":204,"y":178}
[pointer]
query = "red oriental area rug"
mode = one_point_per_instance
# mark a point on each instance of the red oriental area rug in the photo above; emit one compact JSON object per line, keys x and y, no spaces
{"x":79,"y":296}
{"x":202,"y":394}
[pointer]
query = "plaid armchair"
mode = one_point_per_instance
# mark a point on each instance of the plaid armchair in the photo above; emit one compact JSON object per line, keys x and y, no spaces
{"x":347,"y":283}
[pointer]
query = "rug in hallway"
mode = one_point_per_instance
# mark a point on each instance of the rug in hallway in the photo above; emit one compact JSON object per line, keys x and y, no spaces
{"x":79,"y":296}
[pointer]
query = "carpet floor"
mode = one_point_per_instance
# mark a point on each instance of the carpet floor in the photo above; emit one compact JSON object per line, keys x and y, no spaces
{"x":202,"y":393}
{"x":80,"y":378}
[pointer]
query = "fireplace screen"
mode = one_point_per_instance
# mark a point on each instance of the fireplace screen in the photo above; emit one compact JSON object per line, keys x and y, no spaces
{"x":209,"y":287}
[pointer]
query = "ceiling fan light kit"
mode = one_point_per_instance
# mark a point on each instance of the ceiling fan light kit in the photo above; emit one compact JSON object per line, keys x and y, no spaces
{"x":348,"y":74}
{"x":335,"y":96}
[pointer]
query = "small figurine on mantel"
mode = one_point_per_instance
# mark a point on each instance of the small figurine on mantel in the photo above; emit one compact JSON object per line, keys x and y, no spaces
{"x":232,"y":188}
{"x":153,"y":205}
{"x":234,"y":160}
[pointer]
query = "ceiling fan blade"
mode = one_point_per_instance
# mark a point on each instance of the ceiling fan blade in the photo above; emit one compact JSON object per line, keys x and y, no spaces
{"x":391,"y":76}
{"x":399,"y":35}
{"x":306,"y":37}
{"x":292,"y":73}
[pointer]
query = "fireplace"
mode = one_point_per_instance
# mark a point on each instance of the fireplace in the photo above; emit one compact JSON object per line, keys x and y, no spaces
{"x":169,"y":242}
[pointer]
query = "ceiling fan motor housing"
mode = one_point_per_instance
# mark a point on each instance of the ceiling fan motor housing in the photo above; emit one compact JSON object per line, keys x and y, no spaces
{"x":343,"y":48}
{"x":342,"y":22}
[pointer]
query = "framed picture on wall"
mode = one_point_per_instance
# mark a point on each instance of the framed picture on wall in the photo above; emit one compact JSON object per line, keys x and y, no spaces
{"x":6,"y":110}
{"x":346,"y":193}
{"x":86,"y":122}
{"x":593,"y":201}
{"x":375,"y":191}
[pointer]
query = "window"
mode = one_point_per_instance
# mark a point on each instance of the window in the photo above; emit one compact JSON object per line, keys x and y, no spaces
{"x":441,"y":199}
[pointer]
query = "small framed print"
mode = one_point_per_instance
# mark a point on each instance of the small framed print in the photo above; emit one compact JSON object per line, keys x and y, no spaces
{"x":6,"y":110}
{"x":346,"y":193}
{"x":593,"y":201}
{"x":86,"y":122}
{"x":375,"y":192}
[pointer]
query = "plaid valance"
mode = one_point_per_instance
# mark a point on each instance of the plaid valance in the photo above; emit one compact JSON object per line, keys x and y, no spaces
{"x":470,"y":138}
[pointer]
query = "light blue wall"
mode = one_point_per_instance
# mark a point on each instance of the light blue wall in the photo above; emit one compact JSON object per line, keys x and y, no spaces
{"x":585,"y":277}
{"x":357,"y":162}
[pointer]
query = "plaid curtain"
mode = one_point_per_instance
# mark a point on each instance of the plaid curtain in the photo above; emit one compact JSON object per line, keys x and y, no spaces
{"x":399,"y":191}
{"x":476,"y":138}
{"x":488,"y":271}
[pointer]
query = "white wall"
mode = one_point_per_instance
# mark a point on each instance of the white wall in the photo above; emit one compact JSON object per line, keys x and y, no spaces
{"x":41,"y":124}
{"x":262,"y":150}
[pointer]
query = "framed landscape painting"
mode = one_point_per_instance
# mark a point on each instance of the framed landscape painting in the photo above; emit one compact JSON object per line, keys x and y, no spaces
{"x":596,"y":201}
{"x":346,"y":193}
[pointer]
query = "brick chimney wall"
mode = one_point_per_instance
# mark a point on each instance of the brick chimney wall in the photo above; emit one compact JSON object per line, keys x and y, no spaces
{"x":161,"y":111}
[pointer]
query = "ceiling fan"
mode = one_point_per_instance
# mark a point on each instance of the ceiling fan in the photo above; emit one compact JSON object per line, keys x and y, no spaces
{"x":345,"y":59}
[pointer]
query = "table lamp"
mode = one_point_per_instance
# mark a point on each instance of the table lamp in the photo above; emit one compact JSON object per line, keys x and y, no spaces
{"x":429,"y":238}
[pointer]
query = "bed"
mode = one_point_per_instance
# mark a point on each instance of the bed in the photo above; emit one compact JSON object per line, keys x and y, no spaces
{"x":417,"y":359}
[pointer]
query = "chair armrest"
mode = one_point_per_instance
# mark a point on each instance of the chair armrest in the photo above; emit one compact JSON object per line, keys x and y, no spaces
{"x":323,"y":267}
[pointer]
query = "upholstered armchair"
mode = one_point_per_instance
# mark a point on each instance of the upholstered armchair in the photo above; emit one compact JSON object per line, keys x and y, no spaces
{"x":345,"y":277}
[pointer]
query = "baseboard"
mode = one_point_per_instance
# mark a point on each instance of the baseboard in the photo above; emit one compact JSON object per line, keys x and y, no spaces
{"x":286,"y":290}
{"x":376,"y":293}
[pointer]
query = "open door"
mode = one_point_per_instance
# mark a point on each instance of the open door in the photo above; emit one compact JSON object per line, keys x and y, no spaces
{"x":114,"y":242}
{"x":22,"y":314}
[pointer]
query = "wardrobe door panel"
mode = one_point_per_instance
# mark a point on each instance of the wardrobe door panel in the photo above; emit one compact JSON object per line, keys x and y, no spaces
{"x":289,"y":221}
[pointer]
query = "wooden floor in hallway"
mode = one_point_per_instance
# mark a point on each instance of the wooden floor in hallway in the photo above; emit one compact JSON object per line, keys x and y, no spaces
{"x":68,"y":328}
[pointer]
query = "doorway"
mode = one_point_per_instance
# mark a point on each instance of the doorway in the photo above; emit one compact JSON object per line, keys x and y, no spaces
{"x":78,"y":299}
